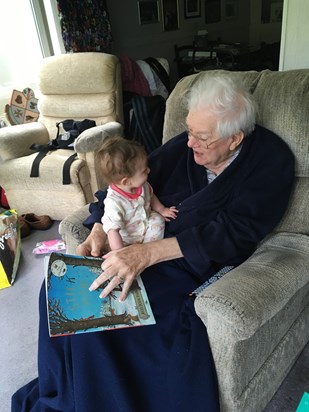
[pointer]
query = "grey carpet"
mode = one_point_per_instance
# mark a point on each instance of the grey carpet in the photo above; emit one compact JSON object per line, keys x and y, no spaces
{"x":19,"y":319}
{"x":19,"y":327}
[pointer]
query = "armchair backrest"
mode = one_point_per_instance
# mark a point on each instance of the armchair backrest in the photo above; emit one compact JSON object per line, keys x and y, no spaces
{"x":79,"y":86}
{"x":283,"y":99}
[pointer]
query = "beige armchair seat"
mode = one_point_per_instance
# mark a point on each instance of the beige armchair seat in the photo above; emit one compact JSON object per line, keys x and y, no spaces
{"x":257,"y":315}
{"x":71,"y":86}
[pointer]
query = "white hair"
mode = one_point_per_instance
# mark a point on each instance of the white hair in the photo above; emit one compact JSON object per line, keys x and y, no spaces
{"x":227,"y":99}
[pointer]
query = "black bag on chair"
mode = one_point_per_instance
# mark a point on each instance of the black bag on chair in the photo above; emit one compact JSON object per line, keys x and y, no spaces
{"x":72,"y":129}
{"x":144,"y":117}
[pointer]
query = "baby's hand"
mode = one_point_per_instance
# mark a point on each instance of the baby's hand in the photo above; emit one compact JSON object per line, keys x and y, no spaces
{"x":169,"y":213}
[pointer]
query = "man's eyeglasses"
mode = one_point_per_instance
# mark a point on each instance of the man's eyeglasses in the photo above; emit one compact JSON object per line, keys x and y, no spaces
{"x":205,"y":141}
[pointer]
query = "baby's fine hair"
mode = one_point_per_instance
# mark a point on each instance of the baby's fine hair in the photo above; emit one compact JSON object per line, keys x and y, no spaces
{"x":228,"y":99}
{"x":118,"y":157}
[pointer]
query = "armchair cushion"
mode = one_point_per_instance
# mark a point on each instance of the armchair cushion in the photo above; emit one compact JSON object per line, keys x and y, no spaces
{"x":289,"y":120}
{"x":56,"y":74}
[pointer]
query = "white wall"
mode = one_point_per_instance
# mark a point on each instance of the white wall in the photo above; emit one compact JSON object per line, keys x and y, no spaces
{"x":294,"y":52}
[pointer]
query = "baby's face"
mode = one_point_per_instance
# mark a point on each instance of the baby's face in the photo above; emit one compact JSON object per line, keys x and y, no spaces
{"x":141,"y":174}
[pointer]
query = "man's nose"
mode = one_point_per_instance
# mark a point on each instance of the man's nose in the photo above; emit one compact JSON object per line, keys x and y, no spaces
{"x":192,"y":141}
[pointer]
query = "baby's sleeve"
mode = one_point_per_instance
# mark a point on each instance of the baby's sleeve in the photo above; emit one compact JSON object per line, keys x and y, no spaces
{"x":113,"y":217}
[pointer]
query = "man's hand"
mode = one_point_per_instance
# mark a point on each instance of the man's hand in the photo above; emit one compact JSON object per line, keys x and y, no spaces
{"x":95,"y":243}
{"x":124,"y":265}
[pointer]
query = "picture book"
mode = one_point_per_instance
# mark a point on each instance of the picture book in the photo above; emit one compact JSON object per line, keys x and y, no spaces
{"x":73,"y":309}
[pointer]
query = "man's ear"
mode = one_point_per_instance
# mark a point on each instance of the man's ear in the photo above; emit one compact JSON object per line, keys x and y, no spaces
{"x":237,"y":140}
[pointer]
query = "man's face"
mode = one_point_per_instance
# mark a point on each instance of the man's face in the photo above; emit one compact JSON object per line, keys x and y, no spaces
{"x":208,"y":148}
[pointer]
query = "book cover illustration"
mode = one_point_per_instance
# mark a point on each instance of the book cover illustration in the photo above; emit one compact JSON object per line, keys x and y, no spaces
{"x":73,"y":309}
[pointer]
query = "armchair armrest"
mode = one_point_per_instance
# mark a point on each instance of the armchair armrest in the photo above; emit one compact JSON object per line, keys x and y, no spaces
{"x":91,"y":139}
{"x":15,"y":141}
{"x":73,"y":231}
{"x":251,"y":294}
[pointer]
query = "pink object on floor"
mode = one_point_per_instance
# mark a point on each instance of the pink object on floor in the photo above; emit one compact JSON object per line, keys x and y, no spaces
{"x":49,"y":246}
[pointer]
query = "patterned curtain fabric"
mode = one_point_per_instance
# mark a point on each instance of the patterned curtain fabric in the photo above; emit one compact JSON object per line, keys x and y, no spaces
{"x":85,"y":25}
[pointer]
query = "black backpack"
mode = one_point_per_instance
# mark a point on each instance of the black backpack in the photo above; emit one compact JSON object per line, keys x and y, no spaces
{"x":72,"y":129}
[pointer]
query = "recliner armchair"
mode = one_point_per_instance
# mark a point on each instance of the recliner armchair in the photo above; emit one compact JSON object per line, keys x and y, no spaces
{"x":257,"y":315}
{"x":71,"y":86}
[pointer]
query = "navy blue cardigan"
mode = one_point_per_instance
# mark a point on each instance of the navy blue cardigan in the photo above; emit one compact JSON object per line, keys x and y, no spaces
{"x":220,"y":223}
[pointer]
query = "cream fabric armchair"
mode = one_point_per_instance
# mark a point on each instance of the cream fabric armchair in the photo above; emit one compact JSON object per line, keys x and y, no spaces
{"x":71,"y":86}
{"x":257,"y":315}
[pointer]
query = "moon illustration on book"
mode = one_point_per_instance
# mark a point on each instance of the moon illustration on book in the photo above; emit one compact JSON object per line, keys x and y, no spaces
{"x":58,"y":268}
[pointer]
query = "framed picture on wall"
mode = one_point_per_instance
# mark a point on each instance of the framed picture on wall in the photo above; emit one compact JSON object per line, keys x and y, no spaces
{"x":212,"y":11}
{"x":170,"y":15}
{"x":271,"y":11}
{"x":276,"y":10}
{"x":231,"y":9}
{"x":148,"y":11}
{"x":192,"y":8}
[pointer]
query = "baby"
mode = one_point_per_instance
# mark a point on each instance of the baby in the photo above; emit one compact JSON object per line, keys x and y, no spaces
{"x":132,"y":212}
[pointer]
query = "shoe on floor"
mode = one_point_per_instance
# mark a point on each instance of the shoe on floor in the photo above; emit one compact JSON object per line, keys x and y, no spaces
{"x":43,"y":222}
{"x":24,"y":227}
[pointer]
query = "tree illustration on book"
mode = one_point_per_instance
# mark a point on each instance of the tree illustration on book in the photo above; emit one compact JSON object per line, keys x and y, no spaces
{"x":72,"y":308}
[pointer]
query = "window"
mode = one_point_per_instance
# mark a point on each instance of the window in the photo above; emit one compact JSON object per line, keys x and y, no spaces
{"x":25,"y":35}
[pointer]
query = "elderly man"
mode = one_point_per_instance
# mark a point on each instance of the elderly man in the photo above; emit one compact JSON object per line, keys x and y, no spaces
{"x":224,"y":174}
